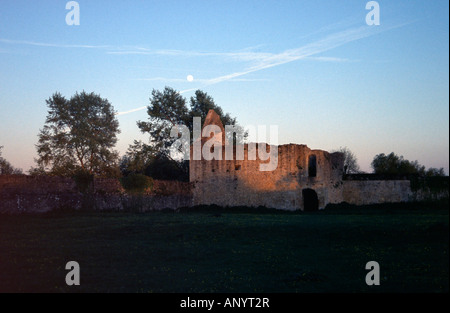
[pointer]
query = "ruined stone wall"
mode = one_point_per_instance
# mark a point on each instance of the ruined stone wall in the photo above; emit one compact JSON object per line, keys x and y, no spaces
{"x":39,"y":194}
{"x":170,"y":187}
{"x":241,"y":183}
{"x":360,"y":192}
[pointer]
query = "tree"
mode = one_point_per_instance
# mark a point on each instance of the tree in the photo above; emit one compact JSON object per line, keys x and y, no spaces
{"x":168,"y":108}
{"x":433,"y":172}
{"x":200,"y":106}
{"x":394,"y":164}
{"x":6,"y":168}
{"x":137,"y":158}
{"x":79,"y":135}
{"x":350,"y":161}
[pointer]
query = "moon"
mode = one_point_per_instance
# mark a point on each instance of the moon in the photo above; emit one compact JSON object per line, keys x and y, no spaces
{"x":190,"y":78}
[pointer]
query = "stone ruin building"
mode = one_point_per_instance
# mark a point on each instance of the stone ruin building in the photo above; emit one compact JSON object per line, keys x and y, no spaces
{"x":304,"y":179}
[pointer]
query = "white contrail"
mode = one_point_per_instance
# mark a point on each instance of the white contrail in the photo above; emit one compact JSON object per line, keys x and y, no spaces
{"x":52,"y":45}
{"x":271,"y":60}
{"x":261,"y":59}
{"x":131,"y":111}
{"x":136,"y":50}
{"x":307,"y":51}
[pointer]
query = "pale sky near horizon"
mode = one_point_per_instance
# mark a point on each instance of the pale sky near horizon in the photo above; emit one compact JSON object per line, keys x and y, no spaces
{"x":314,"y":68}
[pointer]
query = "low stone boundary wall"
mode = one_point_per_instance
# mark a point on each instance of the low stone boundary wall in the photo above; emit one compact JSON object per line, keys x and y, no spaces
{"x":40,"y":194}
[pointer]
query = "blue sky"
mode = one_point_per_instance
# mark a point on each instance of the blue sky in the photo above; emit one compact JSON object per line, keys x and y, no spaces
{"x":314,"y":68}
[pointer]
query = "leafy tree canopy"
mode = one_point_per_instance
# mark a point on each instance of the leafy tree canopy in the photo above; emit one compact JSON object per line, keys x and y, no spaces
{"x":79,"y":134}
{"x":350,"y":161}
{"x":394,"y":164}
{"x":168,"y":108}
{"x":6,"y":168}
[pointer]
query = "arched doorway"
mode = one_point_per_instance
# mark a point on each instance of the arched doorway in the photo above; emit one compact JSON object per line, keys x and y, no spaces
{"x":310,"y":200}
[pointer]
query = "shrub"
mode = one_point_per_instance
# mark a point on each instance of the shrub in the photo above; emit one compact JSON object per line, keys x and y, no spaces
{"x":83,"y":180}
{"x":136,"y":183}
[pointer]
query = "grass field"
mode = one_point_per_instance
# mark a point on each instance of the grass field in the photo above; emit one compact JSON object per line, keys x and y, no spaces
{"x":233,"y":251}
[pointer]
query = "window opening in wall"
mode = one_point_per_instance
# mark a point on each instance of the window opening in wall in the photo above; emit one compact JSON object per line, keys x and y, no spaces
{"x":312,"y":166}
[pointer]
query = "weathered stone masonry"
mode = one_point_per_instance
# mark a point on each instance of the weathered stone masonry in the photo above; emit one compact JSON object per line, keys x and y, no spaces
{"x":40,"y":194}
{"x":241,"y":183}
{"x":304,"y":179}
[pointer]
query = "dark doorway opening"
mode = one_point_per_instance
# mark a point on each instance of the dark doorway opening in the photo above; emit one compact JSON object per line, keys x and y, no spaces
{"x":310,"y":200}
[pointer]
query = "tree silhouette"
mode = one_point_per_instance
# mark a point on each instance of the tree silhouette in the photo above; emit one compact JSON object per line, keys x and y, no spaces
{"x":79,"y":135}
{"x":394,"y":164}
{"x":168,"y":108}
{"x":6,"y":168}
{"x":350,"y":161}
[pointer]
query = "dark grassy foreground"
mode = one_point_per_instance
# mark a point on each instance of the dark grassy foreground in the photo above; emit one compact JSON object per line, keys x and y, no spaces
{"x":213,"y":251}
